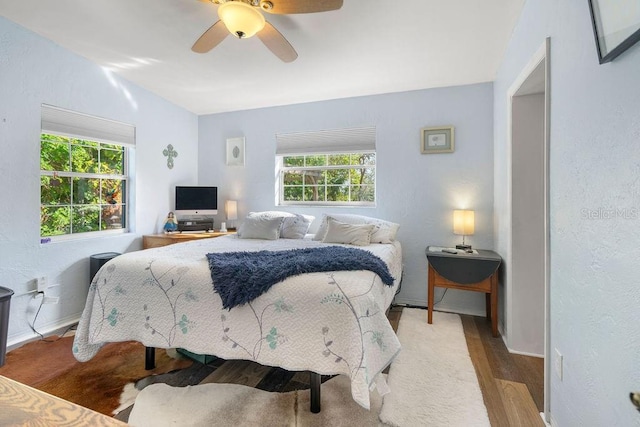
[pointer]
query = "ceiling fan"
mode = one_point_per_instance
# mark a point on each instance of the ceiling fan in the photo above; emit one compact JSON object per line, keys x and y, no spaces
{"x":243,"y":19}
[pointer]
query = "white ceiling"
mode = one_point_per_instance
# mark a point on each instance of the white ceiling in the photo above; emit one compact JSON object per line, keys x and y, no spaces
{"x":367,"y":47}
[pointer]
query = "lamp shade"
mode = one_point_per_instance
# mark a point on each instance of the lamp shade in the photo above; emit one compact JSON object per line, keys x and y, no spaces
{"x":241,"y":20}
{"x":231,"y":209}
{"x":463,"y":222}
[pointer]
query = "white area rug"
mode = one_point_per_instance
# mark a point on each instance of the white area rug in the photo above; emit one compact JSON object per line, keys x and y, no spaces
{"x":432,"y":381}
{"x":235,"y":405}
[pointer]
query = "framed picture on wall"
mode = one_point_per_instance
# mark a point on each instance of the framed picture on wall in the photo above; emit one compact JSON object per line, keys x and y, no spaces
{"x":437,"y":140}
{"x":235,"y":151}
{"x":616,"y":26}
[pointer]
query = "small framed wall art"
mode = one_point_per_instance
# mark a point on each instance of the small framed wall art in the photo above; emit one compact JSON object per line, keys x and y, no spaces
{"x":437,"y":140}
{"x":616,"y":26}
{"x":235,"y":151}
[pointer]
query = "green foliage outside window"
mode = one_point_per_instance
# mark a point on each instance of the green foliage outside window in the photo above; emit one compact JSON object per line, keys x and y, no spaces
{"x":329,"y":178}
{"x":82,"y":186}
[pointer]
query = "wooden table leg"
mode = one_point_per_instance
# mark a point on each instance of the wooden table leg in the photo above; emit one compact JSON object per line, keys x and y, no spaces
{"x":487,"y":304}
{"x":430,"y":281}
{"x":494,"y":304}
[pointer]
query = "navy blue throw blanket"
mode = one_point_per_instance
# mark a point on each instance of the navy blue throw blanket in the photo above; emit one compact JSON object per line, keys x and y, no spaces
{"x":240,"y":277}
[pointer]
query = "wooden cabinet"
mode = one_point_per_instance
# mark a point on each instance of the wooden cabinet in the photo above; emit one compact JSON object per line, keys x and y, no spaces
{"x":158,"y":240}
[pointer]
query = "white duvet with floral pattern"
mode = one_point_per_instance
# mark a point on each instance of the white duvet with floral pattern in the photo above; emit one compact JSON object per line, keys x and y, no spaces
{"x":329,"y":323}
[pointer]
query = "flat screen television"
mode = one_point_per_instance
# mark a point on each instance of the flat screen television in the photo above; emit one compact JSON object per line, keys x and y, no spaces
{"x":196,"y":200}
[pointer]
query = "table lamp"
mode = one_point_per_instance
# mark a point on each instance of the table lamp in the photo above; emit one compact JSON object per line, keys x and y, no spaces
{"x":231,"y":211}
{"x":463,"y":224}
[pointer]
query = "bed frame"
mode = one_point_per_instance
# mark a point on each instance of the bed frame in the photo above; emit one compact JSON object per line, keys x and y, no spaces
{"x":315,"y":379}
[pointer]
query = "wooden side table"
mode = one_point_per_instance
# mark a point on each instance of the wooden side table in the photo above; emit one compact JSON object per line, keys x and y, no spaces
{"x":158,"y":240}
{"x":476,"y":272}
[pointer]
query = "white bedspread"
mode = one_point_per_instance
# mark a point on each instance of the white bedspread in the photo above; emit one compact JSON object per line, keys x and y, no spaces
{"x":329,"y":323}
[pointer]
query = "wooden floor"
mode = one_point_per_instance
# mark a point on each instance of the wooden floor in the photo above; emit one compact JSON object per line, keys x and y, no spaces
{"x":512,"y":385}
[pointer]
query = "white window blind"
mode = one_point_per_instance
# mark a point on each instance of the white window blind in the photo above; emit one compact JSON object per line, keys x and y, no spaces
{"x":350,"y":140}
{"x":78,"y":125}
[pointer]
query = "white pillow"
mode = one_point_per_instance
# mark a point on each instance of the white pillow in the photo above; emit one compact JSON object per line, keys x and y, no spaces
{"x":271,"y":214}
{"x":260,"y":228}
{"x":294,"y":226}
{"x":340,"y":232}
{"x":384,"y":233}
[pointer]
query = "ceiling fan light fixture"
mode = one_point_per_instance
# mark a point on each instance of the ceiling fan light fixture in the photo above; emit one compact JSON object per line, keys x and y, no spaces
{"x":241,"y":19}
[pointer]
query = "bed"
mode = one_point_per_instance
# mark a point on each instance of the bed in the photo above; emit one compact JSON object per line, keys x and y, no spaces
{"x":326,"y":322}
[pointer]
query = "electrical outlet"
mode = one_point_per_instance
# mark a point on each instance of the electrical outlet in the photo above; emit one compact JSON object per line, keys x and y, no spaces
{"x":558,"y":364}
{"x":41,"y":283}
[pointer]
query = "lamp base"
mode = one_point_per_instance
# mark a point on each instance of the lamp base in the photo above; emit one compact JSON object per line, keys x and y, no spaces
{"x":466,"y":248}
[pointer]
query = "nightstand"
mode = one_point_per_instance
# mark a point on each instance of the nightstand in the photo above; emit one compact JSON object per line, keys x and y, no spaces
{"x":476,"y":272}
{"x":158,"y":240}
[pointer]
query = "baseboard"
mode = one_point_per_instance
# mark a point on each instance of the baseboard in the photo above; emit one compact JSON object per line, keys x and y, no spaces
{"x":525,"y":353}
{"x":54,"y":328}
{"x":543,"y":420}
{"x":503,"y":334}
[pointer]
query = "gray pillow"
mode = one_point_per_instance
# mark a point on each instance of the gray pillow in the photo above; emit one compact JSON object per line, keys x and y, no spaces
{"x":350,"y":234}
{"x":385,"y":231}
{"x":260,"y":228}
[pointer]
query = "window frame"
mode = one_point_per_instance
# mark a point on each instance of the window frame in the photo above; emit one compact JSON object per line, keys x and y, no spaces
{"x":281,"y":171}
{"x":125,"y":178}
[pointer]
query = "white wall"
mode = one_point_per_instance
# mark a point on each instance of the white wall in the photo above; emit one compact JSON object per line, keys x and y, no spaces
{"x":595,"y":206}
{"x":33,"y":71}
{"x":525,"y":329}
{"x":417,"y":191}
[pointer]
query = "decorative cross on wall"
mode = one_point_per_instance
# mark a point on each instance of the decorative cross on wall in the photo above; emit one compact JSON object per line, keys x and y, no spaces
{"x":170,"y":154}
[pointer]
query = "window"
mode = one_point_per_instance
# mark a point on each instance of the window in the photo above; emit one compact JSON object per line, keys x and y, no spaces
{"x":83,"y":174}
{"x":336,"y":167}
{"x":329,"y":178}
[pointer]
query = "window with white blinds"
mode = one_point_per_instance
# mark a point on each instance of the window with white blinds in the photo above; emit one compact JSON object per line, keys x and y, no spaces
{"x":327,"y":167}
{"x":84,"y":174}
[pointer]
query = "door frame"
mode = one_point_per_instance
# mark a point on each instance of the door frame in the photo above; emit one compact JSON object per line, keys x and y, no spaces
{"x":542,"y":54}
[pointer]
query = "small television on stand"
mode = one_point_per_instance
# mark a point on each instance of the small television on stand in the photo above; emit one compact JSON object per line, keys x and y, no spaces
{"x":195,"y":207}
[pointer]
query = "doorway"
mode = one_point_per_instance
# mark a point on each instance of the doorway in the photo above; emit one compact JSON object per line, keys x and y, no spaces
{"x":527,"y":290}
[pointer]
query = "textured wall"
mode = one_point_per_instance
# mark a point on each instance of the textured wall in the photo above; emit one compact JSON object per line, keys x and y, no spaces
{"x":417,"y":191}
{"x":595,"y":207}
{"x":33,"y":71}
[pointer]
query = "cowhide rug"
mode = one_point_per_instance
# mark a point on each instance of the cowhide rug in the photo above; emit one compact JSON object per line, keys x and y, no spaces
{"x":233,"y":405}
{"x":96,"y":384}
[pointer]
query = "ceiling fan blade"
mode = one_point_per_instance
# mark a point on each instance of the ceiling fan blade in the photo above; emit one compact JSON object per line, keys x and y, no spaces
{"x":211,"y":38}
{"x":299,"y":6}
{"x":276,"y":43}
